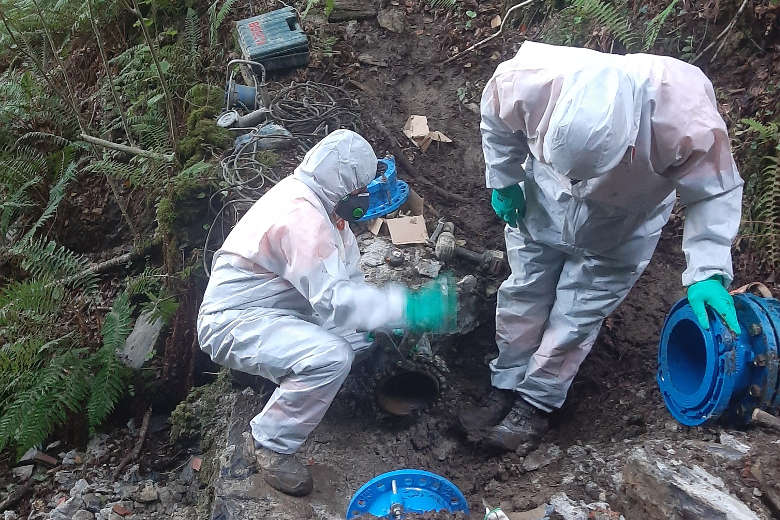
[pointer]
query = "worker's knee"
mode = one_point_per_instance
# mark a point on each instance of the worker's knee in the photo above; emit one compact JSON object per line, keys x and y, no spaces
{"x":333,"y":359}
{"x":343,"y":356}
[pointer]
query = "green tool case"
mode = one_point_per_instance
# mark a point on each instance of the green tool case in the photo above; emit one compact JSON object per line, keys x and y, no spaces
{"x":274,"y":39}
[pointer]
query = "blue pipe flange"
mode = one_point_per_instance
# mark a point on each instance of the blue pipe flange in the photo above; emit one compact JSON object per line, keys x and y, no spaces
{"x":707,"y":375}
{"x":387,"y":192}
{"x":395,"y":494}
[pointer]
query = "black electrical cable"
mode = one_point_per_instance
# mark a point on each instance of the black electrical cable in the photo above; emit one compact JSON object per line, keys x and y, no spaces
{"x":309,"y":111}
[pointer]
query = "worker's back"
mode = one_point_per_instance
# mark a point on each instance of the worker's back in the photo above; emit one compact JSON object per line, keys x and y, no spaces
{"x":679,"y":143}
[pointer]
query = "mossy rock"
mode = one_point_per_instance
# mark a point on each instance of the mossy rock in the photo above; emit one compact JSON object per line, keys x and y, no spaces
{"x":204,"y":132}
{"x":204,"y":102}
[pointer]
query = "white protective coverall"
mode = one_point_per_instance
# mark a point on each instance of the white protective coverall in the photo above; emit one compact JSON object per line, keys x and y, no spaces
{"x":286,"y":293}
{"x":599,"y":143}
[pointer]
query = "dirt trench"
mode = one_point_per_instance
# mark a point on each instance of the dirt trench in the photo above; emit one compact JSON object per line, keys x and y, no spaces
{"x":613,"y":403}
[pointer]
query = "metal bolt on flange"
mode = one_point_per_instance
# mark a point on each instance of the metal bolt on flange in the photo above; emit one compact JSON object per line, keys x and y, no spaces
{"x":755,"y":390}
{"x":760,"y":361}
{"x":756,"y":329}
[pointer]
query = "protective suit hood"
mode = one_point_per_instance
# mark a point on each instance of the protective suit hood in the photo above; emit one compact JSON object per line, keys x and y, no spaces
{"x":593,"y":124}
{"x":336,"y":166}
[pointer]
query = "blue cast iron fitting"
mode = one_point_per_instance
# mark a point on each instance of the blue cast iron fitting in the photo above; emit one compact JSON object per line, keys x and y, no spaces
{"x":386,"y":192}
{"x":710,"y":375}
{"x":396,"y":494}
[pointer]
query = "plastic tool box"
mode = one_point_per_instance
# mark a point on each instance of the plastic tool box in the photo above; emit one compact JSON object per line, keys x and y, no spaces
{"x":274,"y":39}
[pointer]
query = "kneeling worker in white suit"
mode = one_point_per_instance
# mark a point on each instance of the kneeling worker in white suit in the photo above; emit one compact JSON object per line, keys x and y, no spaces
{"x":585,"y":152}
{"x":286,"y":298}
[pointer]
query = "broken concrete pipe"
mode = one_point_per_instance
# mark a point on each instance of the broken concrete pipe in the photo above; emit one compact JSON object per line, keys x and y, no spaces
{"x":404,"y":374}
{"x":711,"y":375}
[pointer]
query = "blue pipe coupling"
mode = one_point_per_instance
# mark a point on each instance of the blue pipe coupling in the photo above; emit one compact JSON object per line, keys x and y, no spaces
{"x":710,"y":375}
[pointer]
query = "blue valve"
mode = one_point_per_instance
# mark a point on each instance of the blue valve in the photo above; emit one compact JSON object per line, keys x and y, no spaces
{"x":714,"y":375}
{"x":395,"y":494}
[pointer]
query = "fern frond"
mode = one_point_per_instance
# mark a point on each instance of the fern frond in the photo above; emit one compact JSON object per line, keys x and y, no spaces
{"x":21,"y":301}
{"x":614,"y":19}
{"x":49,"y":260}
{"x":109,"y":383}
{"x":56,"y":194}
{"x":216,"y":17}
{"x":654,"y":26}
{"x":56,"y":140}
{"x":449,"y":4}
{"x":57,"y":388}
{"x":192,"y":34}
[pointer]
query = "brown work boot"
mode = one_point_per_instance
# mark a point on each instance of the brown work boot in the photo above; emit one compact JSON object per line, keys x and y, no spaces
{"x":521,"y":430}
{"x":477,"y":419}
{"x":284,"y":472}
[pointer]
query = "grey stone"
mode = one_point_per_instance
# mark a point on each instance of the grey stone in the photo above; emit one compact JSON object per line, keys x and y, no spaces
{"x":678,"y":492}
{"x":187,"y":474}
{"x":10,"y":515}
{"x":443,"y":449}
{"x":92,"y":502}
{"x":125,"y":490}
{"x":167,"y":499}
{"x":429,"y":268}
{"x":23,"y":472}
{"x":79,"y":488}
{"x":374,"y":253}
{"x":473,"y":107}
{"x":719,"y":451}
{"x":28,"y":456}
{"x":147,"y":494}
{"x":83,"y":514}
{"x":561,"y":507}
{"x":732,"y":442}
{"x":67,"y":509}
{"x":543,"y":456}
{"x":392,"y":20}
{"x":351,"y":29}
{"x":141,"y":341}
{"x":65,"y":479}
{"x":72,"y":458}
{"x":592,"y":490}
{"x":96,"y":447}
{"x":576,"y":451}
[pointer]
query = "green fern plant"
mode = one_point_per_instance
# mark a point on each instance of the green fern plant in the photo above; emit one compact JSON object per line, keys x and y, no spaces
{"x":111,"y":379}
{"x":654,"y":26}
{"x":216,"y":17}
{"x":192,"y":34}
{"x":614,"y":17}
{"x":762,"y":188}
{"x":447,"y":4}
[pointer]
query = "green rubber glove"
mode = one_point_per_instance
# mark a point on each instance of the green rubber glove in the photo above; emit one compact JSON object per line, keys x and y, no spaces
{"x":711,"y":292}
{"x":433,"y":307}
{"x":509,"y":204}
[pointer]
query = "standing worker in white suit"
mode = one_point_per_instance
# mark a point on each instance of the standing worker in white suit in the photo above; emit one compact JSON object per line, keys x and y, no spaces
{"x":286,"y":299}
{"x":585,"y":153}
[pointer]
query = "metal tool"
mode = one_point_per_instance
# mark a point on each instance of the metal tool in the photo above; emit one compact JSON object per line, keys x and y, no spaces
{"x":246,"y":97}
{"x":445,"y":249}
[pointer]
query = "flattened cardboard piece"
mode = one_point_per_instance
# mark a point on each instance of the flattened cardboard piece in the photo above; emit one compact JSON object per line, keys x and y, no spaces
{"x":415,"y":203}
{"x":376,"y":226}
{"x":416,"y":127}
{"x":407,"y":230}
{"x":417,"y":130}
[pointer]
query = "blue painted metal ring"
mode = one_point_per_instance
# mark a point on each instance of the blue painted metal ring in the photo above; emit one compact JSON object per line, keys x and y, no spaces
{"x":406,"y":491}
{"x":708,"y":375}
